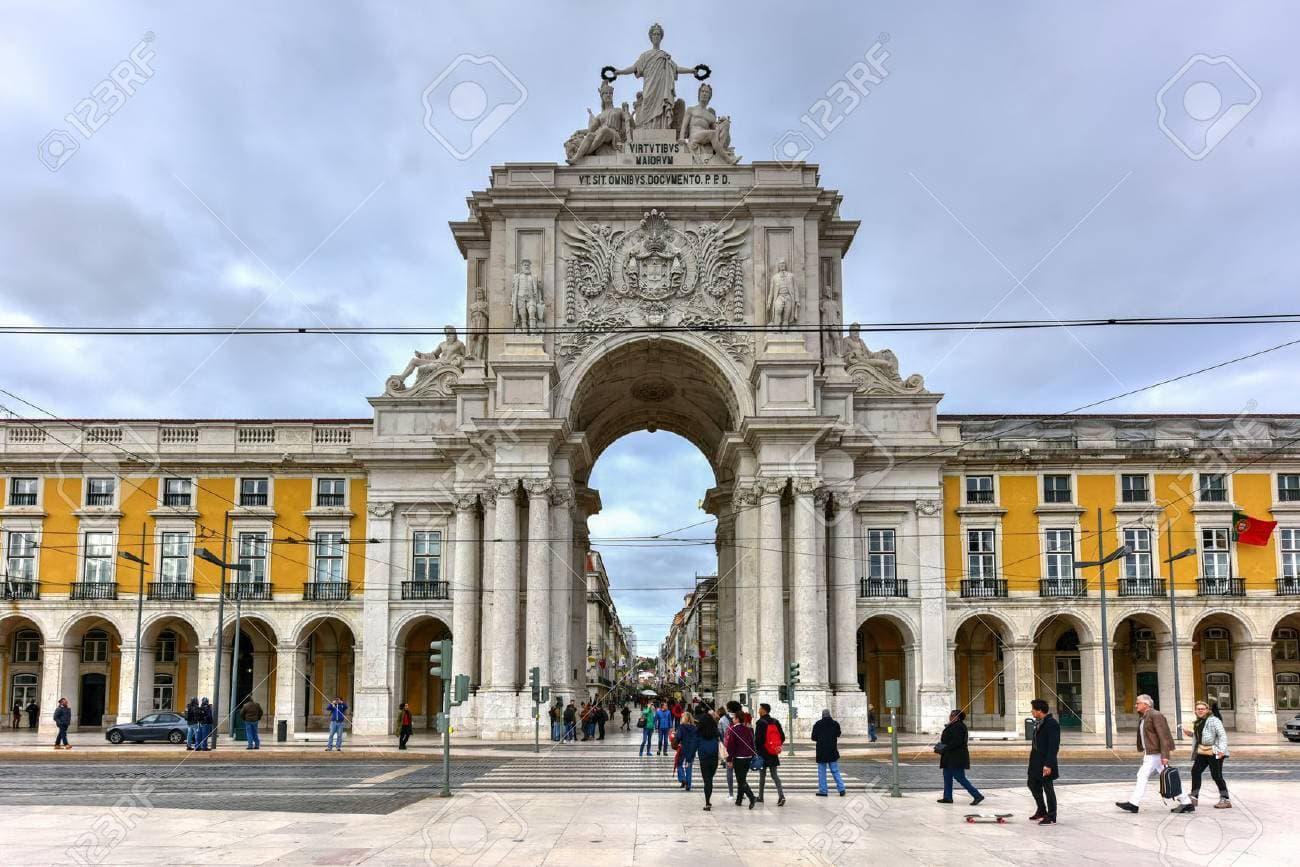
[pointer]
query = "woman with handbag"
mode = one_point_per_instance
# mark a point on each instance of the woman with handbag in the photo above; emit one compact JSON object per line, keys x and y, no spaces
{"x":1211,"y":741}
{"x":954,"y":758}
{"x":740,"y":752}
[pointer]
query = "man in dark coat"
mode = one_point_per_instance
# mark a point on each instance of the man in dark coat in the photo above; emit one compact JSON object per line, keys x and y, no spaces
{"x":1043,"y":769}
{"x":954,"y":758}
{"x":771,"y":761}
{"x":33,"y":714}
{"x":62,"y":719}
{"x":826,"y":735}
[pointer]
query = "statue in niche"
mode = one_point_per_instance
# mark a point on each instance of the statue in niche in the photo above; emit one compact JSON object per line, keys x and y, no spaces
{"x":605,"y":132}
{"x":527,"y":301}
{"x":434,"y":371}
{"x":782,"y":298}
{"x":478,"y":326}
{"x":830,"y":307}
{"x":658,"y":107}
{"x":704,"y":133}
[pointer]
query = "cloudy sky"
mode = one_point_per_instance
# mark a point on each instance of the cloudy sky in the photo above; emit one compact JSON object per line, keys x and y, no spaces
{"x":273,"y":167}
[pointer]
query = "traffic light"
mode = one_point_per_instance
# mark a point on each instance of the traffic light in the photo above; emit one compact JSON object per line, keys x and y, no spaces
{"x":749,"y":690}
{"x":440,"y":658}
{"x":535,"y":681}
{"x":462,"y":688}
{"x":792,"y":678}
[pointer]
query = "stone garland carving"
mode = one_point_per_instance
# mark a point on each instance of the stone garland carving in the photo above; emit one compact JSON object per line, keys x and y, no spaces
{"x":805,"y":485}
{"x":929,"y":508}
{"x":876,"y":372}
{"x":537,"y":487}
{"x":435,"y":372}
{"x":654,"y":275}
{"x":379,"y":510}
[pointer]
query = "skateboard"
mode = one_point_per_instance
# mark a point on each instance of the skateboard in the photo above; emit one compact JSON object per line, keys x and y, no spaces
{"x":1000,"y":818}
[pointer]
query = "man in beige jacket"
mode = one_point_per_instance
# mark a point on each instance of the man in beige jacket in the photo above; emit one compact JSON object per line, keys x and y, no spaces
{"x":1155,"y":742}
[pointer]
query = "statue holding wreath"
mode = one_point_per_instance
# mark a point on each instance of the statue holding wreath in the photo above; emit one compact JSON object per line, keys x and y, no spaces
{"x":659,"y":107}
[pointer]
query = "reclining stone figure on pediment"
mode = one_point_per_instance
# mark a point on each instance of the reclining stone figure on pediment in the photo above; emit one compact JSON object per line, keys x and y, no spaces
{"x":876,"y":371}
{"x":435,"y":372}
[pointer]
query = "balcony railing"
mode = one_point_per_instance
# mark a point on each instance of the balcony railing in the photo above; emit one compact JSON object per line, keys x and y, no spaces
{"x":247,"y":499}
{"x":873,"y":588}
{"x":171,"y":591}
{"x":1051,"y":588}
{"x":1288,"y":587}
{"x":21,"y":499}
{"x":326,"y":591}
{"x":93,"y":590}
{"x":257,"y":590}
{"x":1220,"y":587}
{"x":14,"y":589}
{"x":99,"y":499}
{"x":1142,"y":587}
{"x":424,"y":589}
{"x":181,"y":501}
{"x":983,"y":588}
{"x":330,"y":501}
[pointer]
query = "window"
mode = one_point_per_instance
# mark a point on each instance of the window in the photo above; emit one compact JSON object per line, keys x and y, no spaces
{"x":1216,"y":558}
{"x":99,"y":492}
{"x":1060,"y":554}
{"x":94,"y":647}
{"x":20,"y":556}
{"x":22,"y":492}
{"x":330,"y":493}
{"x":175,"y":557}
{"x":1218,"y":688}
{"x":1288,"y":690}
{"x":1134,"y":488}
{"x":178,"y":493}
{"x":163,"y":691}
{"x":1056,"y":489}
{"x":166,"y":649}
{"x":1286,"y":644}
{"x":979,"y":489}
{"x":329,"y":557}
{"x":99,"y":558}
{"x":252,"y":553}
{"x":1288,"y":487}
{"x":427,"y":548}
{"x":1216,"y":645}
{"x":1137,"y":563}
{"x":24,"y":689}
{"x":254,"y":492}
{"x":1214,"y":488}
{"x":882,"y":556}
{"x":980,"y":564}
{"x":1289,"y":544}
{"x":1144,"y":644}
{"x":27,"y":646}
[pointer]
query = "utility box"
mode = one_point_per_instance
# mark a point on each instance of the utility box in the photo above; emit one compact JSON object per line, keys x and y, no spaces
{"x":893,"y":694}
{"x":282,"y":730}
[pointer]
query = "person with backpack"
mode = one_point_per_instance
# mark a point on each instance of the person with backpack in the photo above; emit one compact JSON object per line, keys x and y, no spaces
{"x":768,"y":738}
{"x":740,"y":753}
{"x":1155,"y":742}
{"x":1211,"y":743}
{"x":730,"y":712}
{"x":954,"y":758}
{"x":646,"y":723}
{"x":202,"y":741}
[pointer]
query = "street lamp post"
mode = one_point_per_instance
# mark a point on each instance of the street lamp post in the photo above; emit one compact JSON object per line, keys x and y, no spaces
{"x":139,"y":620}
{"x":205,"y":554}
{"x":1173,"y":626}
{"x":1102,"y":559}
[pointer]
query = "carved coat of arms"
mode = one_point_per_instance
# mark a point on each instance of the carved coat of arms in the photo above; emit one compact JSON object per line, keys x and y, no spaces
{"x":655,"y":275}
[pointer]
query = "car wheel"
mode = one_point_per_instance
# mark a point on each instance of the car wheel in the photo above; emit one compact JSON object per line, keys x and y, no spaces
{"x":176,"y":736}
{"x":115,"y":737}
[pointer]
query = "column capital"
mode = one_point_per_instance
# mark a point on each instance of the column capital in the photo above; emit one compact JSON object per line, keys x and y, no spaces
{"x":745,"y":494}
{"x":379,"y":510}
{"x":805,"y":486}
{"x":770,"y":487}
{"x":537,"y":488}
{"x":563,"y":497}
{"x":466,"y":502}
{"x":504,"y":487}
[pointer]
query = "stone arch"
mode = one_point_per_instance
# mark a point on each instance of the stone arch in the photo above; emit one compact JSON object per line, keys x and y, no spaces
{"x":990,"y":619}
{"x":75,"y":627}
{"x":886,"y":650}
{"x":92,"y":655}
{"x":1224,"y":665}
{"x":403,"y":625}
{"x":1053,"y":623}
{"x":24,"y":669}
{"x":325,"y":645}
{"x":1141,"y":662}
{"x":412,"y":682}
{"x":981,"y":651}
{"x":1067,"y":664}
{"x":169,"y":670}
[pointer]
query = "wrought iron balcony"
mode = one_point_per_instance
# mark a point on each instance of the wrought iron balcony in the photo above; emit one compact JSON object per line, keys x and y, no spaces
{"x":93,"y":590}
{"x":181,"y":501}
{"x":1071,"y":588}
{"x":99,"y":499}
{"x":255,"y":590}
{"x":424,"y":589}
{"x":1142,"y":587}
{"x":17,"y":498}
{"x":330,"y":501}
{"x":983,"y":588}
{"x":172,"y":591}
{"x":327,"y":591}
{"x":251,"y":499}
{"x":874,"y":588}
{"x":16,"y":589}
{"x":1220,"y":587}
{"x":1288,"y":587}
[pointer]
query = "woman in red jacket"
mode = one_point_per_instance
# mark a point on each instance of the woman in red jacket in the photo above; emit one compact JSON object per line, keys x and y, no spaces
{"x":740,"y":753}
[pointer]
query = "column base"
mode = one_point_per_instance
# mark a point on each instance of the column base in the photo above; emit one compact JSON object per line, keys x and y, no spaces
{"x":849,"y":707}
{"x":936,"y":703}
{"x":505,"y":715}
{"x":371,"y":716}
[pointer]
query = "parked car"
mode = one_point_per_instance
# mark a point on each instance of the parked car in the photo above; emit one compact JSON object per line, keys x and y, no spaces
{"x":1292,"y":729}
{"x":153,"y":727}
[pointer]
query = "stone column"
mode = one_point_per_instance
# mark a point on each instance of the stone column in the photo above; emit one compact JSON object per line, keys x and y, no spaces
{"x":487,"y":581}
{"x":809,"y":619}
{"x":1093,"y":712}
{"x":1254,"y":689}
{"x":465,"y":587}
{"x":537,"y":652}
{"x":58,"y":669}
{"x":126,"y":683}
{"x":374,"y":705}
{"x":563,"y":580}
{"x":1021,"y":682}
{"x":935,"y":690}
{"x":288,"y":684}
{"x":746,"y":600}
{"x":726,"y":619}
{"x":505,"y":590}
{"x":843,"y":590}
{"x":771,"y":616}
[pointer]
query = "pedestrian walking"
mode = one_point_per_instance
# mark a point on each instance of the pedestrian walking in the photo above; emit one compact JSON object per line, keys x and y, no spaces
{"x":826,"y":735}
{"x":62,"y":719}
{"x":602,"y":717}
{"x":33,"y":714}
{"x":954,"y":758}
{"x":252,"y":716}
{"x":688,"y":742}
{"x":740,"y":753}
{"x":337,"y":711}
{"x":405,"y":725}
{"x":571,"y":721}
{"x":663,"y":725}
{"x":1043,"y":769}
{"x":1155,"y":742}
{"x":17,"y":715}
{"x":556,"y":714}
{"x":193,"y":724}
{"x":729,"y":714}
{"x":707,"y":747}
{"x":206,"y":721}
{"x":871,"y":723}
{"x":646,"y":722}
{"x":768,"y":738}
{"x":627,"y":717}
{"x":1211,"y":740}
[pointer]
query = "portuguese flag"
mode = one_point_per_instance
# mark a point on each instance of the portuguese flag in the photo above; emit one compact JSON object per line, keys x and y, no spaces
{"x":1251,"y":531}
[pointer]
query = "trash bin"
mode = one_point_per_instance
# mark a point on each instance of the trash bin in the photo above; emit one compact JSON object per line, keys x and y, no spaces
{"x":1030,"y":725}
{"x":281,"y":730}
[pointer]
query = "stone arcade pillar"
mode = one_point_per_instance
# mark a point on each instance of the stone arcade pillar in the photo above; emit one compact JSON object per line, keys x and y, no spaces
{"x":850,"y":701}
{"x":1021,"y":681}
{"x":745,"y":583}
{"x":126,"y":683}
{"x":465,"y":595}
{"x":487,"y":583}
{"x":770,"y":540}
{"x":1093,"y":712}
{"x":934,"y":688}
{"x":727,"y":624}
{"x":289,"y":664}
{"x":505,"y":590}
{"x":58,"y":672}
{"x":808,"y":605}
{"x":1255,"y":692}
{"x":563,"y":579}
{"x":374,"y":691}
{"x":537,"y":613}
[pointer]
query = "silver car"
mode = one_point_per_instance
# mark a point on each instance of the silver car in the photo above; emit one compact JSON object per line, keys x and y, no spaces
{"x":1292,"y":729}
